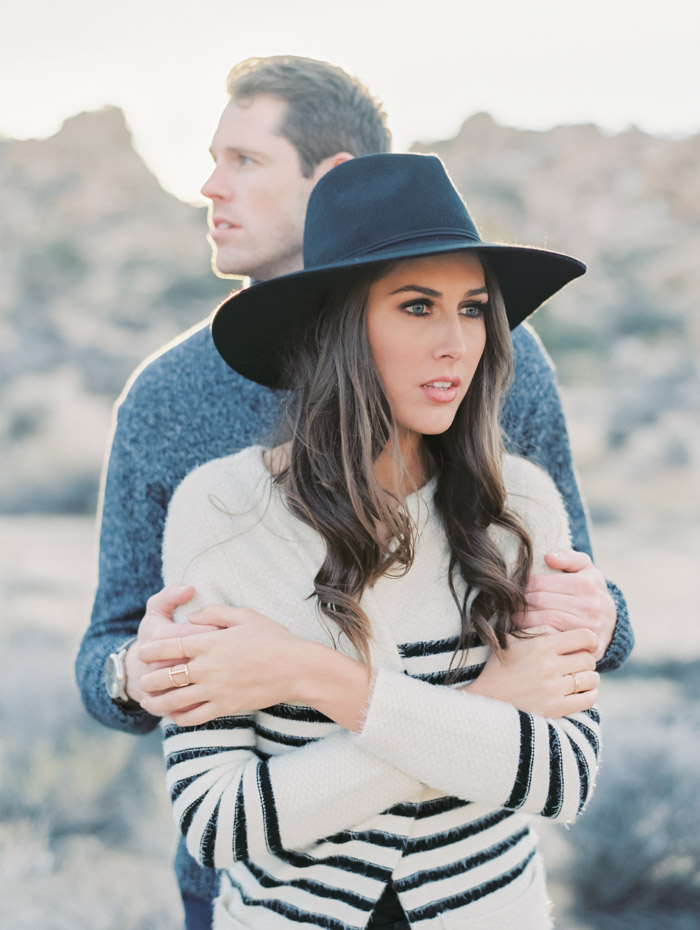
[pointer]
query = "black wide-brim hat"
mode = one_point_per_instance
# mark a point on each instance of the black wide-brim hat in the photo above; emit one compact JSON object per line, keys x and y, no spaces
{"x":372,"y":209}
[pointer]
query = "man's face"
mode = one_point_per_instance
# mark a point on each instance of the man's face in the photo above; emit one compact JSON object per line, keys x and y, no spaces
{"x":257,"y":191}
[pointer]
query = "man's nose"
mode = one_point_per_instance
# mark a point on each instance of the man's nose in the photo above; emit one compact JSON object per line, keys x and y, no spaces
{"x":216,"y":186}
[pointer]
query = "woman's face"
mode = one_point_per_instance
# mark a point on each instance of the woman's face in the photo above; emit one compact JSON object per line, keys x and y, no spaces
{"x":426,"y":328}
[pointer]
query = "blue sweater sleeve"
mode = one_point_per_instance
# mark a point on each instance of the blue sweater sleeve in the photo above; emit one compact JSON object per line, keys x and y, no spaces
{"x":534,"y":425}
{"x":182,"y":408}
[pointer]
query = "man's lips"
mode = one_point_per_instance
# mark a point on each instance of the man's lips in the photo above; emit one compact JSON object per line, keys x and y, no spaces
{"x":441,"y":390}
{"x":220,"y":227}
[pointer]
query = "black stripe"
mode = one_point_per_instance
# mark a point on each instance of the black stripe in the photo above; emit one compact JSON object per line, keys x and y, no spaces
{"x":375,"y":837}
{"x":425,"y":843}
{"x":347,"y":863}
{"x":588,"y":733}
{"x":459,"y":675}
{"x":296,"y":712}
{"x":208,"y":840}
{"x":320,"y":889}
{"x":180,"y":786}
{"x":417,"y":810}
{"x":584,"y":776}
{"x":271,"y":825}
{"x":474,"y":894}
{"x":296,"y":914}
{"x":284,"y":739}
{"x":187,"y":755}
{"x":527,"y":748}
{"x":555,"y":793}
{"x":186,"y":819}
{"x":219,"y":723}
{"x":428,"y":647}
{"x":273,"y":837}
{"x":176,"y":758}
{"x":240,"y":827}
{"x":462,"y":866}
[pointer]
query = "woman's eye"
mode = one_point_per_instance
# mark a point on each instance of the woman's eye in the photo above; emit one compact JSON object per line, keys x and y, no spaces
{"x":416,"y":307}
{"x":245,"y":160}
{"x":474,"y":310}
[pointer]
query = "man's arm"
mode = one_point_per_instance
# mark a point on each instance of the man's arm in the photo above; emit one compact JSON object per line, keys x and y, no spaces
{"x":535,"y":427}
{"x":133,"y":507}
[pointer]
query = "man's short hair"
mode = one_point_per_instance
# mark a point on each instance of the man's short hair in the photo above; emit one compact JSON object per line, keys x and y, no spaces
{"x":328,"y":110}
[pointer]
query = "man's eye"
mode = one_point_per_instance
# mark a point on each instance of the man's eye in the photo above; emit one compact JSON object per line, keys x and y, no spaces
{"x":245,"y":160}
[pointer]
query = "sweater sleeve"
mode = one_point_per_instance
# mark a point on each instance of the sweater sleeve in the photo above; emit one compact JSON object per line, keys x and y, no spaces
{"x":133,"y":504}
{"x":535,"y":427}
{"x":480,"y":749}
{"x":233,"y":802}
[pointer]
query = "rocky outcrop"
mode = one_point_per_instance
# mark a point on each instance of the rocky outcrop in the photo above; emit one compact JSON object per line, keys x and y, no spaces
{"x":100,"y":266}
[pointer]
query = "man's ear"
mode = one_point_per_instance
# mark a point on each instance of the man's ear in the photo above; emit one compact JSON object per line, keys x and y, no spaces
{"x":324,"y":166}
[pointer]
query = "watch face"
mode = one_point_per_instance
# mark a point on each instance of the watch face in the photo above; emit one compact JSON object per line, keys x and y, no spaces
{"x":114,"y":676}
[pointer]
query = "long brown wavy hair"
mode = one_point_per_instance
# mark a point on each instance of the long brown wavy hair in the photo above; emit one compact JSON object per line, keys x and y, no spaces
{"x":338,"y":422}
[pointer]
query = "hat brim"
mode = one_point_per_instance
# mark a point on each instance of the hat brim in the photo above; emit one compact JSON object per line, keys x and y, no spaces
{"x":253,"y":328}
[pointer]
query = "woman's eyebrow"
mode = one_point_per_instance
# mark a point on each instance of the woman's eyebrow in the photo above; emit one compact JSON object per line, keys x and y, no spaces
{"x":429,"y":292}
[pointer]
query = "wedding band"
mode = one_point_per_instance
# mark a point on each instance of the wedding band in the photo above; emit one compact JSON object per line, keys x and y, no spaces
{"x":182,"y":651}
{"x":179,"y":670}
{"x":577,"y":683}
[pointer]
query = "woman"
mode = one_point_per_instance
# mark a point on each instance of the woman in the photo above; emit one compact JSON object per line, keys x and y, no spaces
{"x":391,"y":541}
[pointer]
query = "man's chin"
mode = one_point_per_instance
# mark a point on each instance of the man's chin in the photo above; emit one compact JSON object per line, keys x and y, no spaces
{"x":223,"y":269}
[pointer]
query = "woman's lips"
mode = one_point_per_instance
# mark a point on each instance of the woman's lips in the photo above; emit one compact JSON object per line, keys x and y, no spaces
{"x":442,"y":392}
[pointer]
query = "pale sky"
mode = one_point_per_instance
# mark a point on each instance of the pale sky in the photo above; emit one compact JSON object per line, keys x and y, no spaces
{"x":530,"y":63}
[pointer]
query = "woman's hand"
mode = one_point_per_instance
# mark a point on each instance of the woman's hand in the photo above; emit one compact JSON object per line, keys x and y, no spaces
{"x":544,"y":672}
{"x":157,"y":624}
{"x":247,"y":663}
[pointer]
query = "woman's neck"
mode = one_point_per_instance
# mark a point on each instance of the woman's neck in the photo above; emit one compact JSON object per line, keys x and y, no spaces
{"x":403,"y":471}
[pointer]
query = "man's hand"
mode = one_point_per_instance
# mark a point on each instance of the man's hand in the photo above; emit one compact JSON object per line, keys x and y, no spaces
{"x":250,"y":662}
{"x":536,"y":673}
{"x":575,"y":596}
{"x":157,"y":624}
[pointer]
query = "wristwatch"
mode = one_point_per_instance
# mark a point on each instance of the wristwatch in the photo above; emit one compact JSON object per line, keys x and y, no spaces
{"x":115,"y":675}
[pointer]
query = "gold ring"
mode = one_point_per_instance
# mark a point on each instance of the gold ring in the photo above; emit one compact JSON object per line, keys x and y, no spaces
{"x":577,"y":683}
{"x":182,"y":651}
{"x":179,"y":670}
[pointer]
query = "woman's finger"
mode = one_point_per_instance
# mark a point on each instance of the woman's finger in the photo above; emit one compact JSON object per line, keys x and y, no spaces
{"x":578,"y":682}
{"x":175,"y":700}
{"x":583,"y":661}
{"x":177,"y":676}
{"x":575,"y":703}
{"x":175,"y":648}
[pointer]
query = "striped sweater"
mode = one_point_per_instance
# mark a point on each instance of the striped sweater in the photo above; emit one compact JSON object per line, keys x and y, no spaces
{"x":308,"y":822}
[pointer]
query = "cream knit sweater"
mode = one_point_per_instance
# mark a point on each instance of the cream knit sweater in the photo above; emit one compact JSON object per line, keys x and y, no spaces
{"x":307,"y":821}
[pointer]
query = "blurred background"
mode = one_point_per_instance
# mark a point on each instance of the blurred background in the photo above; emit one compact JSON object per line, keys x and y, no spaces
{"x":575,"y":127}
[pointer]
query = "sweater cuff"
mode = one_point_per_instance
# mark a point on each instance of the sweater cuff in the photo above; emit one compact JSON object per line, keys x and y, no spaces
{"x":622,"y":641}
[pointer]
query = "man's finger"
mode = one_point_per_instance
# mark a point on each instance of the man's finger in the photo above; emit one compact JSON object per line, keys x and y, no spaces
{"x":581,"y":639}
{"x":170,"y":597}
{"x":559,"y":603}
{"x":568,"y":560}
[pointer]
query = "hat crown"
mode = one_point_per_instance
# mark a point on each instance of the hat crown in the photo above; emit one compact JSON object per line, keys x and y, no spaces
{"x":379,"y":203}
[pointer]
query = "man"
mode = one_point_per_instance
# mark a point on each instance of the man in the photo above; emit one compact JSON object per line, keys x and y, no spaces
{"x":288,"y":122}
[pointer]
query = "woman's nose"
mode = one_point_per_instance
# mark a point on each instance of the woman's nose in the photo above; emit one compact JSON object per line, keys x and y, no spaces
{"x":450,"y":342}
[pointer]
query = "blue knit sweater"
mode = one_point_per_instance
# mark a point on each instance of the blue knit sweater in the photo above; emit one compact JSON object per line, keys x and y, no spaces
{"x":182,"y":408}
